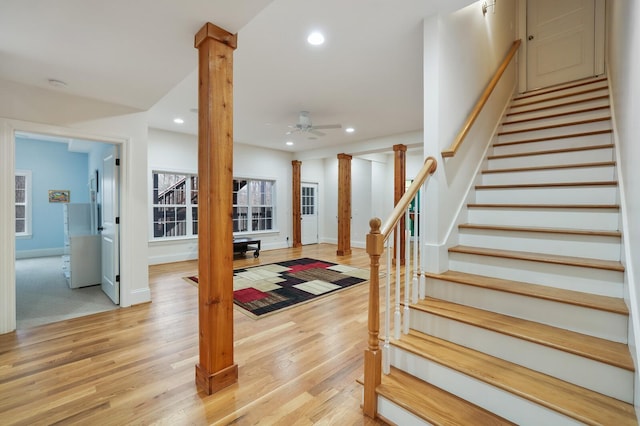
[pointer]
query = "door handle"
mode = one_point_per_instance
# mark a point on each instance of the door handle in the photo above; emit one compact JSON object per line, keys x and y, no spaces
{"x":530,"y":38}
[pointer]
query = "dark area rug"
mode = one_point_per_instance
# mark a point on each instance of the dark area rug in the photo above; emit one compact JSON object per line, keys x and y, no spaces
{"x":262,"y":290}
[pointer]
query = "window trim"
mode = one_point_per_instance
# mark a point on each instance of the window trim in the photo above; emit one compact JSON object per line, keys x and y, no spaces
{"x":28,"y":228}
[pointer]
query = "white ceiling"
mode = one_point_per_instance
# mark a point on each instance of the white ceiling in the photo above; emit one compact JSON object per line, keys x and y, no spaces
{"x":140,"y":53}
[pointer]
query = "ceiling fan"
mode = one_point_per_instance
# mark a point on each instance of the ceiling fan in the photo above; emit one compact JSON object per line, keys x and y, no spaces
{"x":304,"y":125}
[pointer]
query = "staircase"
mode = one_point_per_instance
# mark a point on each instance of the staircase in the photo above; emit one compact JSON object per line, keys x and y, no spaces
{"x":528,"y":325}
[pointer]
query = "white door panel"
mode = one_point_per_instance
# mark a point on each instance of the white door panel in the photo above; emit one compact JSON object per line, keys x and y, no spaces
{"x":561,"y":41}
{"x":309,"y":213}
{"x":110,"y":211}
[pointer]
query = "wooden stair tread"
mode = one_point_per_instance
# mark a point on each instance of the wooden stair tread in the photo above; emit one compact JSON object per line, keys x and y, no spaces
{"x":553,"y":167}
{"x":558,"y":105}
{"x":595,"y":348}
{"x":550,"y":151}
{"x":555,"y":126}
{"x":560,"y":114}
{"x":587,"y":300}
{"x":563,"y":96}
{"x":432,"y":404}
{"x":574,"y":401}
{"x":609,"y":265}
{"x":547,"y":185}
{"x":547,"y":90}
{"x":545,"y":206}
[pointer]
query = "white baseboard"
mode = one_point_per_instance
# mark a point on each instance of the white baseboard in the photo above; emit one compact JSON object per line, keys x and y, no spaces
{"x":28,"y":254}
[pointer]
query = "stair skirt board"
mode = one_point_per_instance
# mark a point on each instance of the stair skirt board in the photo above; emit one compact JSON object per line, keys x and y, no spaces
{"x":576,"y":278}
{"x":593,"y":322}
{"x":591,"y":374}
{"x":503,"y":403}
{"x":578,"y":140}
{"x":587,"y":246}
{"x":605,"y":219}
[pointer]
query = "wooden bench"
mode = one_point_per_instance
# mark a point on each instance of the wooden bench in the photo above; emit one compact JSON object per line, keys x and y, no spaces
{"x":242,"y":245}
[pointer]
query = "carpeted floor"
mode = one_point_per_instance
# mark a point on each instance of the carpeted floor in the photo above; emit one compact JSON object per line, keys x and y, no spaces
{"x":262,"y":290}
{"x":43,"y":296}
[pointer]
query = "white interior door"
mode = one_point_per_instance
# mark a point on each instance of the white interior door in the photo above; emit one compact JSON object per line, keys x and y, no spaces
{"x":309,"y":210}
{"x":109,"y":223}
{"x":560,"y":41}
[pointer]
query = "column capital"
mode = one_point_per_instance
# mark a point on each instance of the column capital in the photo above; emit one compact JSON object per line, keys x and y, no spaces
{"x":212,"y":31}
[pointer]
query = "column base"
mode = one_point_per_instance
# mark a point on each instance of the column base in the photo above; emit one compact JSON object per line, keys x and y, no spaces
{"x":212,"y":383}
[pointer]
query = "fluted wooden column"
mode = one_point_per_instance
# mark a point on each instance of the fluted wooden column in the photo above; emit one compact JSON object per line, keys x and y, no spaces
{"x":296,"y":209}
{"x":344,"y":205}
{"x":216,"y":368}
{"x":399,"y":182}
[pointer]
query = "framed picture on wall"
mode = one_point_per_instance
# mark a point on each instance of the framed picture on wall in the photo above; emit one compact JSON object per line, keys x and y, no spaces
{"x":59,"y":195}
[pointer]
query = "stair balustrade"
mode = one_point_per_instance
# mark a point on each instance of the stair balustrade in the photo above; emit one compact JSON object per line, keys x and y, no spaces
{"x":378,"y":237}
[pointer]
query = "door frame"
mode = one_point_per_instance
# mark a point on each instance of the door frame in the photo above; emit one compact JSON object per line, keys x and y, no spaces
{"x":599,"y":48}
{"x":8,"y":129}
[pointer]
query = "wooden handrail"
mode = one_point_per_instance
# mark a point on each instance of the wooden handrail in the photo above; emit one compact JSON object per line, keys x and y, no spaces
{"x":451,"y":151}
{"x":375,"y":247}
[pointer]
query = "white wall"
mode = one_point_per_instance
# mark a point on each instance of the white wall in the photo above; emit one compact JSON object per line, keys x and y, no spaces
{"x":169,"y":151}
{"x":623,"y":64}
{"x":37,"y":110}
{"x":462,"y":51}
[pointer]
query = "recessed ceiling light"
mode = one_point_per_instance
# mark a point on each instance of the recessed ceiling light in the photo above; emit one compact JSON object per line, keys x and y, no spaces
{"x":57,"y":83}
{"x":315,"y":38}
{"x":289,"y":143}
{"x":349,"y":130}
{"x":178,"y":120}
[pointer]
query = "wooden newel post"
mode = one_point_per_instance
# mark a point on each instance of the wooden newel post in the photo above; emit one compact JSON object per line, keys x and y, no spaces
{"x":373,"y":353}
{"x":216,"y":369}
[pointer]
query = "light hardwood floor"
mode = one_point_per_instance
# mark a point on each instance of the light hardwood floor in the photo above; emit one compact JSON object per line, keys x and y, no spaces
{"x":137,"y":365}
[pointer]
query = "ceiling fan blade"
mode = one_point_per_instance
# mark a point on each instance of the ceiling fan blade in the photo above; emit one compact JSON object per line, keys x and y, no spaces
{"x":329,"y":126}
{"x":317,"y":133}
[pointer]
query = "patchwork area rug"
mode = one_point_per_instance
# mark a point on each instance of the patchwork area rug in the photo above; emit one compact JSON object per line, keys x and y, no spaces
{"x":262,"y":290}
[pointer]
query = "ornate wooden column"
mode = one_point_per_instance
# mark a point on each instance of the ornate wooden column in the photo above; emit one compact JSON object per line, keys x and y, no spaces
{"x":216,"y":368}
{"x":295,"y":199}
{"x":399,"y":181}
{"x":344,"y":205}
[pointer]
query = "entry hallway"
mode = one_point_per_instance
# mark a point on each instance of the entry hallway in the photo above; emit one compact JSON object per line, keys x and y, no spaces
{"x":137,"y":365}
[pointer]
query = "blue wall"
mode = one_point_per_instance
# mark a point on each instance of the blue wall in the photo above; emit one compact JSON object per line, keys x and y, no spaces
{"x":52,"y":166}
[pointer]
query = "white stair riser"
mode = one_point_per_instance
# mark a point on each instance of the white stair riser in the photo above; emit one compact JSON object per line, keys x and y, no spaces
{"x":597,"y":376}
{"x":565,"y":119}
{"x":554,"y":159}
{"x":554,"y":144}
{"x":605,"y":194}
{"x":398,"y":415}
{"x":533,"y":112}
{"x":554,"y":132}
{"x":601,"y":219}
{"x":592,"y":322}
{"x":573,"y":174}
{"x":526,"y":104}
{"x":503,"y":403}
{"x":556,"y":91}
{"x":588,"y":280}
{"x":588,"y":246}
